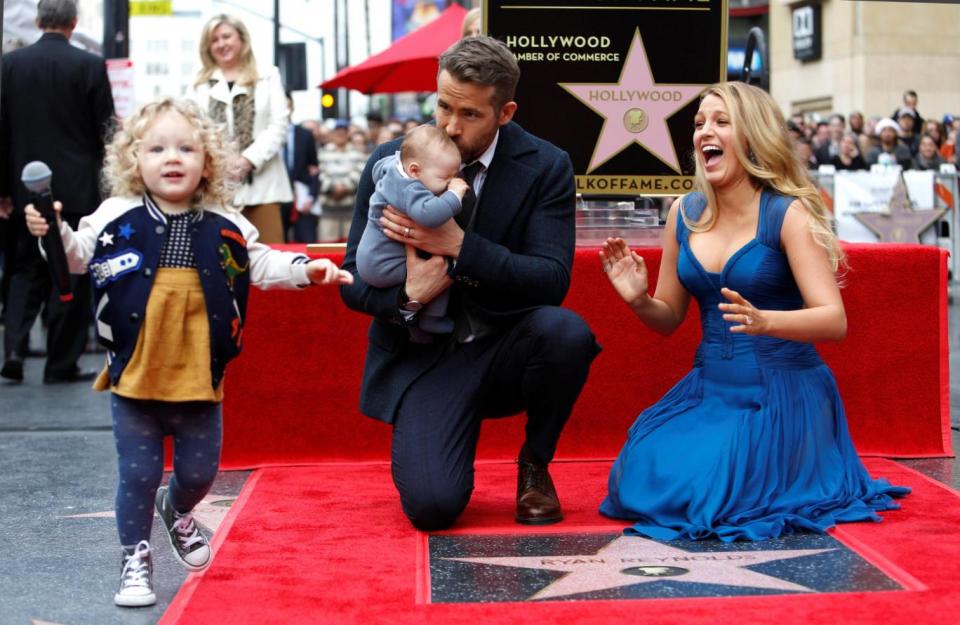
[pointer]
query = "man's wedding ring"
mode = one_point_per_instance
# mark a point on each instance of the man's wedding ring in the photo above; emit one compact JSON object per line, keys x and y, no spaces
{"x":406,"y":232}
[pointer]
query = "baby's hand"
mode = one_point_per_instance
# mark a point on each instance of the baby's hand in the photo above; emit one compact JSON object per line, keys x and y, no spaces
{"x":458,"y":186}
{"x":36,"y":224}
{"x":323,"y":271}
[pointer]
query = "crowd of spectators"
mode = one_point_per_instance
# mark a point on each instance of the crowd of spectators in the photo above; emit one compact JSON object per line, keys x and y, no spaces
{"x":342,"y":150}
{"x":854,"y":142}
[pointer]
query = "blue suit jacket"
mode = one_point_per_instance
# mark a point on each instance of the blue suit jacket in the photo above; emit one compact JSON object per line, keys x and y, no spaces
{"x":517,"y":257}
{"x":304,"y":155}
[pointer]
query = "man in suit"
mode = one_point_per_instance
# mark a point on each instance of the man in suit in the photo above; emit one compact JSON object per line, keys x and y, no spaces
{"x":507,"y":262}
{"x":56,"y":108}
{"x":300,"y":155}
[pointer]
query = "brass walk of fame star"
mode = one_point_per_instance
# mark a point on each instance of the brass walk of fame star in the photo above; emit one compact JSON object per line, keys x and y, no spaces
{"x":209,"y":513}
{"x":630,"y":560}
{"x":635,"y":109}
{"x":902,"y":224}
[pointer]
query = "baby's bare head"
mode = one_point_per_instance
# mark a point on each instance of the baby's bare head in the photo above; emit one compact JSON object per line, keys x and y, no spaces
{"x":430,"y":155}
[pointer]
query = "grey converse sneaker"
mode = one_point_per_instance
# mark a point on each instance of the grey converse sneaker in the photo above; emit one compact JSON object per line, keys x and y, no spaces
{"x":189,"y":545}
{"x":136,"y":578}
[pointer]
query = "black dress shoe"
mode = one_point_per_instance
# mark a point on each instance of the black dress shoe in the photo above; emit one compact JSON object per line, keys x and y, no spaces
{"x":12,"y":369}
{"x":537,"y":502}
{"x":77,"y":375}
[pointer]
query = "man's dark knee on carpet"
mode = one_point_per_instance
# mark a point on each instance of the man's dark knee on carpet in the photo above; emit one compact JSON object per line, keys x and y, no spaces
{"x":434,"y":511}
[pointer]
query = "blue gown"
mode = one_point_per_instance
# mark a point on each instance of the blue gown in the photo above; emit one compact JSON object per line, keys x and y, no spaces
{"x":753,"y":442}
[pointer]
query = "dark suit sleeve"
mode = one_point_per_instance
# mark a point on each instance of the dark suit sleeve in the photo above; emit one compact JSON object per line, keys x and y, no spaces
{"x":101,"y":103}
{"x":4,"y":138}
{"x":311,"y":147}
{"x":538,"y":272}
{"x":360,"y":296}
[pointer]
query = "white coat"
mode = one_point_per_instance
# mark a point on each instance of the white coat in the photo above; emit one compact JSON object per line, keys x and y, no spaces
{"x":270,"y":182}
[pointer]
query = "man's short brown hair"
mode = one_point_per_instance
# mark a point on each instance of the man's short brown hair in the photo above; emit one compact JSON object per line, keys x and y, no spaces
{"x":484,"y":61}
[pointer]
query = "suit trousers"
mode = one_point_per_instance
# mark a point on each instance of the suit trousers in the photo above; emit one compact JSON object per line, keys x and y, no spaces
{"x":538,"y":365}
{"x":68,"y":323}
{"x":303,"y":230}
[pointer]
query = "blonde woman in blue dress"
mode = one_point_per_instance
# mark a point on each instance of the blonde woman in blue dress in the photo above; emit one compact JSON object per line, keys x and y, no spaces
{"x":753,"y":442}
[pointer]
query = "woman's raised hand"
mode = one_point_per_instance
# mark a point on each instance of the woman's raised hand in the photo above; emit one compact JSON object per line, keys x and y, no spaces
{"x":625,"y":269}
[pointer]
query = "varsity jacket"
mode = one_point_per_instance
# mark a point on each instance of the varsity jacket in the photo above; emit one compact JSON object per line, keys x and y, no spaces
{"x":120,"y":245}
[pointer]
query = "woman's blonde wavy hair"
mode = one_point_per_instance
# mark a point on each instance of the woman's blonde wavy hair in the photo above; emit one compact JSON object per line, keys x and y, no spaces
{"x":248,"y":64}
{"x":121,"y":171}
{"x":768,"y":159}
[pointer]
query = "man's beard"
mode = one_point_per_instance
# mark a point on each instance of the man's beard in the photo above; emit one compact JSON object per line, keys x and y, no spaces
{"x":473,"y":151}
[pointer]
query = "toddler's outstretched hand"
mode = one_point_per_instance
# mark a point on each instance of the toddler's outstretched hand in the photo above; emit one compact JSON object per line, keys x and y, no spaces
{"x":323,"y":271}
{"x":458,"y":186}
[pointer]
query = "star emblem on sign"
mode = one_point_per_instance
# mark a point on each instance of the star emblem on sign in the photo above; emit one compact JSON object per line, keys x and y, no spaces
{"x":630,"y":560}
{"x":902,"y":224}
{"x":635,"y":109}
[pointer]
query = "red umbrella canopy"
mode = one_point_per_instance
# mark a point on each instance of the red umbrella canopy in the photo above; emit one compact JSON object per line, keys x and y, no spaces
{"x":410,"y":64}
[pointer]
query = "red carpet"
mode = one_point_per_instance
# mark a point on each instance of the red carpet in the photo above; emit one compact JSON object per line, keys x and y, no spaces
{"x":294,"y":392}
{"x":328,"y":544}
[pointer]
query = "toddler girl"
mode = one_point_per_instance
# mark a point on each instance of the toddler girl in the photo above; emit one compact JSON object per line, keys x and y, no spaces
{"x":171,"y":267}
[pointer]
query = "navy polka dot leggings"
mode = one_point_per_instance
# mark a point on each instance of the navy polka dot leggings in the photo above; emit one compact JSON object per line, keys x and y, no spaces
{"x":139,"y":427}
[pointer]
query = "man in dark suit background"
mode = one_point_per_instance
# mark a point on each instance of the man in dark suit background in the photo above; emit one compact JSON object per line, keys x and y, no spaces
{"x":56,"y":107}
{"x":507,"y":262}
{"x":300,"y":155}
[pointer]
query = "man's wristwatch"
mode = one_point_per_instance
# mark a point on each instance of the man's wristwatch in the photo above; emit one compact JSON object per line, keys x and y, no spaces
{"x":407,"y":304}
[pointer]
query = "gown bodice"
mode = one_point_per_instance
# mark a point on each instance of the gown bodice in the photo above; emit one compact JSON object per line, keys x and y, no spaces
{"x":760,"y":272}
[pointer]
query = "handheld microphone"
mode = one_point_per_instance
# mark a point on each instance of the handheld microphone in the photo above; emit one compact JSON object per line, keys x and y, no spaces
{"x":36,"y":178}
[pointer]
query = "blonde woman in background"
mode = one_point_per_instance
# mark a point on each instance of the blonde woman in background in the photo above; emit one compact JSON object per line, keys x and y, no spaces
{"x":753,"y":442}
{"x":471,"y":23}
{"x":250,"y":103}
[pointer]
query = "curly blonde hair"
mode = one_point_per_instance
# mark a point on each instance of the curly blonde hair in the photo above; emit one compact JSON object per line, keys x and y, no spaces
{"x":769,"y":160}
{"x":121,"y":171}
{"x":248,"y":63}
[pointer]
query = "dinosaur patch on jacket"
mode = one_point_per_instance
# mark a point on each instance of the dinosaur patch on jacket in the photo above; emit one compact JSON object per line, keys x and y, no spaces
{"x":230,"y":266}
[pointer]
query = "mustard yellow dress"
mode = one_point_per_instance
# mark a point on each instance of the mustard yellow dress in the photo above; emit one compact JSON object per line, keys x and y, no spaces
{"x":171,"y":360}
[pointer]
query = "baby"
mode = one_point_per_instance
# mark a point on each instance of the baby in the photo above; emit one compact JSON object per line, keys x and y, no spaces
{"x":421,"y":182}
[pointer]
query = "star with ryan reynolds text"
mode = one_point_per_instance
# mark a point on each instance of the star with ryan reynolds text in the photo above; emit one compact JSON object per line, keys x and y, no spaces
{"x":629,"y":560}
